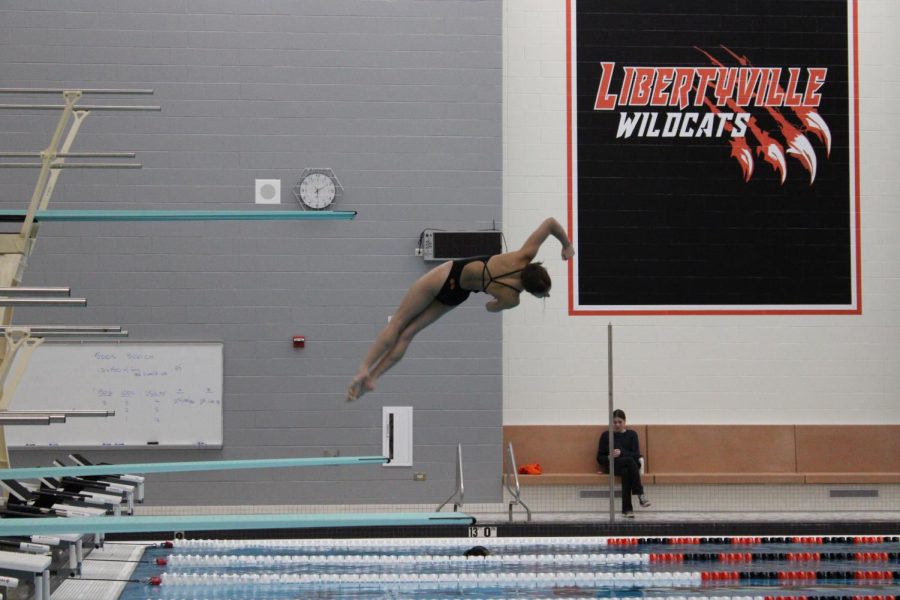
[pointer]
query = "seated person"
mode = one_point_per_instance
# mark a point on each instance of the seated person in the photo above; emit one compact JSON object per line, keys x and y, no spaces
{"x":626,"y":453}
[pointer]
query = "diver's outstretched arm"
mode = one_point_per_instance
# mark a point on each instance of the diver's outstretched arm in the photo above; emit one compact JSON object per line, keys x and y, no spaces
{"x":550,"y":226}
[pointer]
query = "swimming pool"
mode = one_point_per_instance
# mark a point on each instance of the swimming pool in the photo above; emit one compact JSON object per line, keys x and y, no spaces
{"x":571,"y":567}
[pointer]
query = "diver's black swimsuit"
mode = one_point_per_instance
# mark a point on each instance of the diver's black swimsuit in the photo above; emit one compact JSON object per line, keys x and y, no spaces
{"x":452,"y":294}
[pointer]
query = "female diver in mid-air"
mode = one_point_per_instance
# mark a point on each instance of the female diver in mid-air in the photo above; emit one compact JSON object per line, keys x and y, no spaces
{"x":434,"y":294}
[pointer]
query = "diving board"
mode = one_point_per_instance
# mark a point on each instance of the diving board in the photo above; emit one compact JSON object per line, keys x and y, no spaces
{"x":179,"y":215}
{"x":32,"y":526}
{"x":188,"y":466}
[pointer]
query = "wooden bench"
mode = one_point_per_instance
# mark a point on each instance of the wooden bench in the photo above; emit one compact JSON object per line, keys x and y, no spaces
{"x":567,"y":453}
{"x":693,"y":454}
{"x":717,"y":454}
{"x":849,"y":453}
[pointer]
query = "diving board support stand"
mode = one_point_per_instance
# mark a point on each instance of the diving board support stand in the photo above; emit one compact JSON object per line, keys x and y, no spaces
{"x":15,"y":248}
{"x":397,"y":441}
{"x":14,"y":342}
{"x":17,"y":341}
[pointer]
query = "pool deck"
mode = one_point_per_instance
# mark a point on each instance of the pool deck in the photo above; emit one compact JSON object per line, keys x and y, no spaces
{"x":647,"y":522}
{"x":667,"y":523}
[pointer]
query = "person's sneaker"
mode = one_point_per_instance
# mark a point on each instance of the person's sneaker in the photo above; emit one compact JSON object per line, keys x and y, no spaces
{"x":628,"y":515}
{"x":643,"y":500}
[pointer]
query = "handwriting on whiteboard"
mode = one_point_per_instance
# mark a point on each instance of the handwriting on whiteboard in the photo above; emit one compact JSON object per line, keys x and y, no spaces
{"x":127,"y":364}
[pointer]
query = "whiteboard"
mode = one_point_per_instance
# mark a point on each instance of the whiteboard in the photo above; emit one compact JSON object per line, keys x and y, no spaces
{"x":165,"y":394}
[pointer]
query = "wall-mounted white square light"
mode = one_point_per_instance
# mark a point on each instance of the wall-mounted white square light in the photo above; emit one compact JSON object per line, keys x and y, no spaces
{"x":397,"y":440}
{"x":268,"y":191}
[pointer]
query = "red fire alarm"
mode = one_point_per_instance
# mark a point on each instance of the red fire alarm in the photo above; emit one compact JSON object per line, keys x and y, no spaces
{"x":299,"y":341}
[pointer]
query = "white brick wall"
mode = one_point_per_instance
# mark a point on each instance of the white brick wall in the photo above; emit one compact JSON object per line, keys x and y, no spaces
{"x":685,"y":369}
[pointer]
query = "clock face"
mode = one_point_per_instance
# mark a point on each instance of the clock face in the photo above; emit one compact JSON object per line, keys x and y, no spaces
{"x":317,"y":190}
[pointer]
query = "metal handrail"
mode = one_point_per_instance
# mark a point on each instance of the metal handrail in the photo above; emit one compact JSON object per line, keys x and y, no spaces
{"x":28,"y":91}
{"x":65,"y":413}
{"x":79,"y":331}
{"x":31,"y":419}
{"x":22,"y":290}
{"x":511,"y":472}
{"x":69,"y":155}
{"x":72,"y":165}
{"x":78,"y":334}
{"x":460,"y":484}
{"x":42,"y":301}
{"x":22,"y":106}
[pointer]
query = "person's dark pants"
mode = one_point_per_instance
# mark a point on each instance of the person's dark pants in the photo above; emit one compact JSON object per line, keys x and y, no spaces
{"x":629,"y":469}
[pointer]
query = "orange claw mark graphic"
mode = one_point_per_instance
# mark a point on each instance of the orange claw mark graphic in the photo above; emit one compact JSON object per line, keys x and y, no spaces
{"x":771,"y":150}
{"x":810,"y":117}
{"x":798,"y":145}
{"x":740,"y":150}
{"x":814,"y":123}
{"x":742,"y":60}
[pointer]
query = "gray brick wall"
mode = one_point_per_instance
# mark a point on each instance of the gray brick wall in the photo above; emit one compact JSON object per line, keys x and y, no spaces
{"x":401,"y":98}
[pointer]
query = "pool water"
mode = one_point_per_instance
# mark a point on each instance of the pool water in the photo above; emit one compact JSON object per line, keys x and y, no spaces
{"x":665,"y":568}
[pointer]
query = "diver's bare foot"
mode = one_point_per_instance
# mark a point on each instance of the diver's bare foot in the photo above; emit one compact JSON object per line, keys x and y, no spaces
{"x":357,"y":387}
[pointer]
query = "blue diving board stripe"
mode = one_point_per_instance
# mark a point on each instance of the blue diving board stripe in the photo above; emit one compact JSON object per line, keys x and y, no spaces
{"x":180,"y":467}
{"x":58,"y":525}
{"x":180,"y":215}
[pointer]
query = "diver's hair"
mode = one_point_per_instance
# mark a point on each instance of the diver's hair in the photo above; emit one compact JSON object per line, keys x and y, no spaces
{"x":536,"y":279}
{"x":619,"y":414}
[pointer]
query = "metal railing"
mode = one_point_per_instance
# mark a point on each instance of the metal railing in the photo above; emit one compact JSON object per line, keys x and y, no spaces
{"x":511,"y":474}
{"x":460,"y":484}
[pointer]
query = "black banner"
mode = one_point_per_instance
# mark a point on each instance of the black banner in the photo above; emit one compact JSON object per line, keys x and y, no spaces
{"x":713,"y":157}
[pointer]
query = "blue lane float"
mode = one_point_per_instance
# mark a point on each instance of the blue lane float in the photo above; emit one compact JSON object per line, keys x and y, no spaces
{"x":179,"y":215}
{"x":87,"y":525}
{"x":188,"y":466}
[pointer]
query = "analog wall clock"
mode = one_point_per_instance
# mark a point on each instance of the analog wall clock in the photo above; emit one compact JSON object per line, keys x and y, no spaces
{"x":318,"y":189}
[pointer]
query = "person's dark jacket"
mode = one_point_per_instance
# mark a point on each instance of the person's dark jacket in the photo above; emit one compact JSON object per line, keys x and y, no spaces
{"x":627,"y":442}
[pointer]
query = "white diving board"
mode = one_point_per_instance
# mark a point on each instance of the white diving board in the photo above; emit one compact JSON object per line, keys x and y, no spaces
{"x":51,"y":526}
{"x":179,"y":215}
{"x":188,"y":466}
